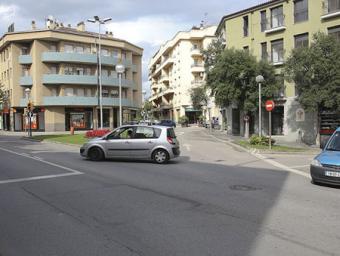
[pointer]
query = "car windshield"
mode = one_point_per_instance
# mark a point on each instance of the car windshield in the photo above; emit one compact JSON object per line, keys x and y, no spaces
{"x":334,"y":144}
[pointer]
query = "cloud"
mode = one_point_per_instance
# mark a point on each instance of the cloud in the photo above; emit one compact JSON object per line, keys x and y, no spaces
{"x":7,"y":13}
{"x":154,"y":30}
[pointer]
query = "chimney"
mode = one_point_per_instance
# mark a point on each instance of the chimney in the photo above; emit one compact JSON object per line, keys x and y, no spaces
{"x":110,"y":34}
{"x":50,"y":22}
{"x":81,"y":26}
{"x":61,"y":24}
{"x":69,"y":25}
{"x":33,"y":26}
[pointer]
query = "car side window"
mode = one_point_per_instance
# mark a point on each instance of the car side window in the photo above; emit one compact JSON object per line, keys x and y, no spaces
{"x":144,"y":133}
{"x":123,"y":133}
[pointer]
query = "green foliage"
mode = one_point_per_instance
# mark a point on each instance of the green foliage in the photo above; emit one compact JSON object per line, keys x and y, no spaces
{"x":199,"y":97}
{"x":212,"y":54}
{"x":147,"y":106}
{"x":232,"y":79}
{"x":183,"y":120}
{"x":316,"y":73}
{"x":2,"y":95}
{"x":260,"y":140}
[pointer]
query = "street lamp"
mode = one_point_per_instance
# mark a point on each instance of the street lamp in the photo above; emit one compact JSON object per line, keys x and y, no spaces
{"x":96,"y":19}
{"x":120,"y":69}
{"x":259,"y":80}
{"x":29,"y":113}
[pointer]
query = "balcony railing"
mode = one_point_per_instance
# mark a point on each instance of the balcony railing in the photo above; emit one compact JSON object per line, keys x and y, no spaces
{"x":25,"y":59}
{"x":275,"y":24}
{"x":84,"y":80}
{"x":26,"y":81}
{"x":197,"y":65}
{"x":331,"y":8}
{"x":82,"y":58}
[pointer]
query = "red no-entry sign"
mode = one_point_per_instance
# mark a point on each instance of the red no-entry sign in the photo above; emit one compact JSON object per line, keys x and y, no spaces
{"x":270,"y":105}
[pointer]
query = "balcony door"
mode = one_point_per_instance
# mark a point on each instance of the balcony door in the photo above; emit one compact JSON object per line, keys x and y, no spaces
{"x":277,"y":17}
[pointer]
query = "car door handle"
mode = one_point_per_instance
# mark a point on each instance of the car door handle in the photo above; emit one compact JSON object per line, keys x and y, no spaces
{"x":150,"y":142}
{"x":126,"y":142}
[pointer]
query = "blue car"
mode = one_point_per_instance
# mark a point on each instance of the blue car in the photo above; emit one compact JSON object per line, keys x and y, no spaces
{"x":325,"y":168}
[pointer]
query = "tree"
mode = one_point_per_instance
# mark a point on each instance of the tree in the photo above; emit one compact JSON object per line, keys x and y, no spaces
{"x":232,"y":79}
{"x":199,"y":97}
{"x":212,"y":54}
{"x":316,"y":73}
{"x":2,"y":95}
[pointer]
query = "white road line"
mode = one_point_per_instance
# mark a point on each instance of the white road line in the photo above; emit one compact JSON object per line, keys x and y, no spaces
{"x":70,"y":170}
{"x":265,"y":159}
{"x":300,"y":166}
{"x":37,"y":178}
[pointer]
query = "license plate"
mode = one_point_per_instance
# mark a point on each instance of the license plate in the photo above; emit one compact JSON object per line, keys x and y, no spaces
{"x":332,"y":174}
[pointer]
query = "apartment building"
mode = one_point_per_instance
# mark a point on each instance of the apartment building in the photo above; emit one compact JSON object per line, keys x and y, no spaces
{"x":176,"y":68}
{"x":270,"y":31}
{"x":59,"y":65}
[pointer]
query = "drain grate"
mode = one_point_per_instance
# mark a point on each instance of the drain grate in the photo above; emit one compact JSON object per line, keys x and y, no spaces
{"x":243,"y":188}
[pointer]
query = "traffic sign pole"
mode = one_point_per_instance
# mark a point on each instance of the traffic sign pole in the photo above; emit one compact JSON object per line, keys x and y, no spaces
{"x":270,"y":105}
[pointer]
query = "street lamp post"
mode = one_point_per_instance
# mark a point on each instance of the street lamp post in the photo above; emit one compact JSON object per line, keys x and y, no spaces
{"x":29,"y":113}
{"x":120,"y":69}
{"x":96,"y":19}
{"x":259,"y":80}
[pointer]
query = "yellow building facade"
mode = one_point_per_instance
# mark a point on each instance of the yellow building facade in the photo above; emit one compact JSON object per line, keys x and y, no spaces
{"x":270,"y":31}
{"x":59,"y":66}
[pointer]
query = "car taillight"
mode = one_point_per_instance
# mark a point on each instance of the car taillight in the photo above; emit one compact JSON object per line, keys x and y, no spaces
{"x":171,"y":141}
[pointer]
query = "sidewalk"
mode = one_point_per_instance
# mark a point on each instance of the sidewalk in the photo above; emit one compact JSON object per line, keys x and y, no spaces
{"x":298,"y":162}
{"x":25,"y":134}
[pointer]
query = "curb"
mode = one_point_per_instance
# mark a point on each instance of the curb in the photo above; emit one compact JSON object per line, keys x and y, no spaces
{"x":256,"y":153}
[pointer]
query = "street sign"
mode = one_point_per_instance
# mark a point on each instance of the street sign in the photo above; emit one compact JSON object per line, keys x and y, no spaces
{"x":270,"y":105}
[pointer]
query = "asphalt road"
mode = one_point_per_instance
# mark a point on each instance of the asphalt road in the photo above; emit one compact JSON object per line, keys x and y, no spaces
{"x":214,"y":200}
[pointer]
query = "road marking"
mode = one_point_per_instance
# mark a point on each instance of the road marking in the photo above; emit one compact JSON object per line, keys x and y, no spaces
{"x":265,"y":159}
{"x":300,"y":166}
{"x":70,"y":170}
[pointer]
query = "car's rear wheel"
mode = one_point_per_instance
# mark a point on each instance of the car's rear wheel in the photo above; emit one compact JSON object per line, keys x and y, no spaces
{"x":160,"y":156}
{"x":96,"y":154}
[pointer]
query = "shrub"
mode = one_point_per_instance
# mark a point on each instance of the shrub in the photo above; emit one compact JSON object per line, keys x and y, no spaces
{"x":260,"y":140}
{"x":96,"y":133}
{"x":183,"y":120}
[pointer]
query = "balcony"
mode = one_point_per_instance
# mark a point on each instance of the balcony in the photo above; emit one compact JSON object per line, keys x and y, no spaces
{"x":197,"y":83}
{"x":53,"y":79}
{"x":84,"y":58}
{"x":197,"y":67}
{"x":196,"y":52}
{"x":83,"y":101}
{"x":275,"y":24}
{"x":26,"y":81}
{"x":25,"y":59}
{"x":331,"y":9}
{"x":164,"y":79}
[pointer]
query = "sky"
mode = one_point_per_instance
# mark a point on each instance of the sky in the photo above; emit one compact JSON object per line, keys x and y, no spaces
{"x":146,"y":23}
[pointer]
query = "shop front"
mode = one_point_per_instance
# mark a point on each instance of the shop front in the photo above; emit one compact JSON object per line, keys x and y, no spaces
{"x":22,"y":122}
{"x":79,"y":118}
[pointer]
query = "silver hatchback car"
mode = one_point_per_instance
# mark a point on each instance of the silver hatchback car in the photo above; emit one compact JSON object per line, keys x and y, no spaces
{"x":158,"y":143}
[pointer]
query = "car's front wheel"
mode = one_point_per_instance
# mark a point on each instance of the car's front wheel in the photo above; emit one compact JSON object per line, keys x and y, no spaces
{"x":160,"y":156}
{"x":96,"y":154}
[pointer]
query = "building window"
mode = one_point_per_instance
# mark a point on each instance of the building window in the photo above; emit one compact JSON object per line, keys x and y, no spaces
{"x":301,"y":40}
{"x":246,"y":48}
{"x":263,"y":21}
{"x":69,"y":92}
{"x":24,"y":51}
{"x":88,"y":92}
{"x":25,"y":70}
{"x":106,"y":117}
{"x":277,"y":51}
{"x":53,"y":70}
{"x":53,"y":48}
{"x":335,"y":31}
{"x":300,"y":10}
{"x":264,"y":51}
{"x":333,"y":6}
{"x":277,"y":17}
{"x":80,"y":92}
{"x":105,"y":52}
{"x":245,"y":26}
{"x":68,"y":48}
{"x":54,"y":92}
{"x":79,"y":49}
{"x":79,"y":71}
